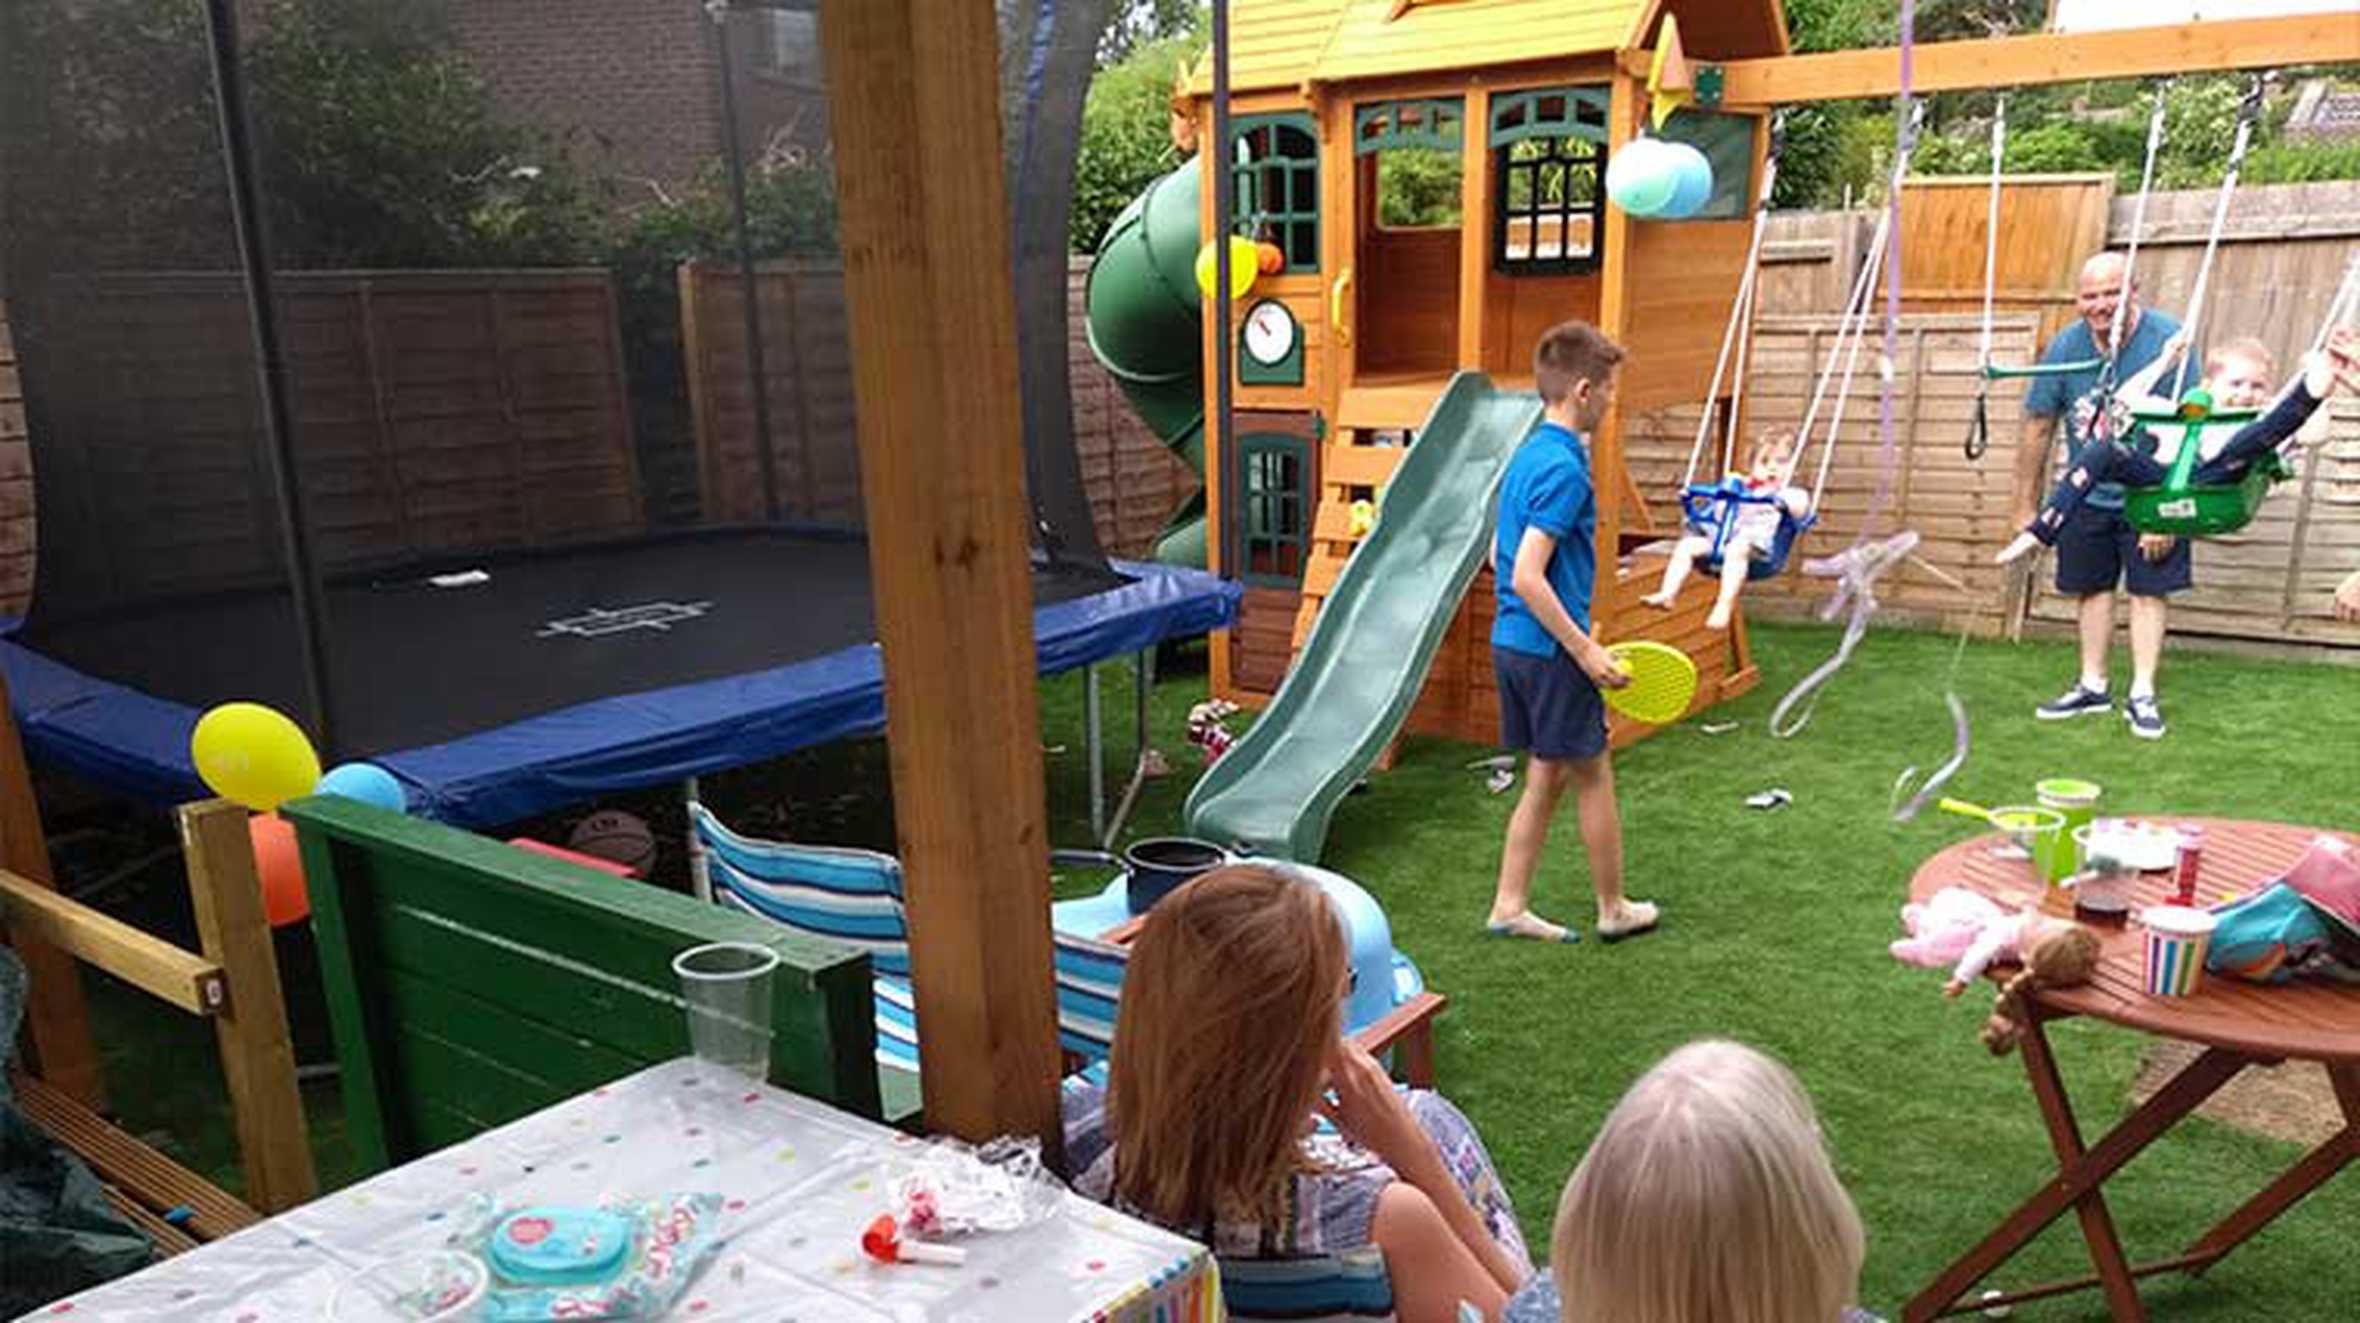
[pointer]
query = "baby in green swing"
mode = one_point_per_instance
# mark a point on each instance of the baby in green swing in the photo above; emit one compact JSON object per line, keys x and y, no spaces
{"x":2236,"y":377}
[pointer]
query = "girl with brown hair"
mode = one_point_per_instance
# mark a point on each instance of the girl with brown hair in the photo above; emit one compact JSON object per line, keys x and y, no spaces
{"x":1228,"y":1049}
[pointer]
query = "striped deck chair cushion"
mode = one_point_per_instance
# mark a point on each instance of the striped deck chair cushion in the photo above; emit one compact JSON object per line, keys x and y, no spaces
{"x":1089,"y":984}
{"x":842,"y":894}
{"x":1352,"y":1287}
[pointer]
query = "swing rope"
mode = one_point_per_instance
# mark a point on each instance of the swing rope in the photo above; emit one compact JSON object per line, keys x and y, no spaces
{"x":2130,"y":260}
{"x":1741,"y":318}
{"x":2249,"y":110}
{"x":1856,"y":567}
{"x":1979,"y":427}
{"x":1979,"y":423}
{"x":1999,"y":148}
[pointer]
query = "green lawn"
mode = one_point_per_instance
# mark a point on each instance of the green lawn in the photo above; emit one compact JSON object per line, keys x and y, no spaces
{"x":1774,"y":933}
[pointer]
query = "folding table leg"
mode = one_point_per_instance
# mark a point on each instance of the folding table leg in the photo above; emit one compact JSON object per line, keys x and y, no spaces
{"x":2340,"y":1150}
{"x":2081,"y":1175}
{"x":2097,"y":1221}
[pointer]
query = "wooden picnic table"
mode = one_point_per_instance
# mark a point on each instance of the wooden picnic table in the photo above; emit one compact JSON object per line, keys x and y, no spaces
{"x":2239,"y":1024}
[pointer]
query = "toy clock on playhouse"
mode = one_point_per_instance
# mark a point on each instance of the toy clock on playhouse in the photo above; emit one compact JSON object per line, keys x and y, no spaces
{"x":1272,"y":345}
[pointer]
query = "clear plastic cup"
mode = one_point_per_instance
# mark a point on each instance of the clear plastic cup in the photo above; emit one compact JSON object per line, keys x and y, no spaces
{"x":441,"y":1286}
{"x":725,"y":989}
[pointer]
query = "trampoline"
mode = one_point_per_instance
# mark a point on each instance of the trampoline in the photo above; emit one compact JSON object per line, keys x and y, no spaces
{"x":502,"y":687}
{"x":526,"y":514}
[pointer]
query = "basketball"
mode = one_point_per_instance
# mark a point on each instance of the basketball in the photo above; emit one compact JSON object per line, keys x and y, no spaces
{"x":618,"y":836}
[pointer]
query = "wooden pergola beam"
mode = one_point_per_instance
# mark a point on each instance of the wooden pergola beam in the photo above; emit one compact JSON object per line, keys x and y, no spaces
{"x":2046,"y":57}
{"x":924,"y":220}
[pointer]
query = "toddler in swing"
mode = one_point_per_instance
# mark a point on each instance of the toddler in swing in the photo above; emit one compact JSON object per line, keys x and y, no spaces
{"x":1752,"y":525}
{"x":2237,"y":377}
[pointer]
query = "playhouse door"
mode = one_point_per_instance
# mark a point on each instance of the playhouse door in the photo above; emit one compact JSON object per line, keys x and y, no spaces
{"x":1406,"y":182}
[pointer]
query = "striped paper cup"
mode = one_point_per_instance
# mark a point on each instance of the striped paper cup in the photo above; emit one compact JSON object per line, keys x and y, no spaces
{"x":2176,"y":940}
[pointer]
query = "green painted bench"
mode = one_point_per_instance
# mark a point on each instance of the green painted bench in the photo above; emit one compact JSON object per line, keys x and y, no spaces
{"x":470,"y":983}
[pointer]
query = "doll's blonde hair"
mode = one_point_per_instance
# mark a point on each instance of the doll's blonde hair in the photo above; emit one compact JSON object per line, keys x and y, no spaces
{"x":1708,"y":1195}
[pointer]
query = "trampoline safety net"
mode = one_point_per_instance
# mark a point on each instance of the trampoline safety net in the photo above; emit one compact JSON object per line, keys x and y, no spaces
{"x":552,"y":346}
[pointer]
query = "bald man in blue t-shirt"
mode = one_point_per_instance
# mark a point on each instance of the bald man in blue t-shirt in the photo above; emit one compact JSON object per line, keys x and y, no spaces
{"x":2098,"y":548}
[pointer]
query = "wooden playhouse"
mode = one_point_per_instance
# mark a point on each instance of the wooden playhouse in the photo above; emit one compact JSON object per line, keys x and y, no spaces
{"x":1339,"y":355}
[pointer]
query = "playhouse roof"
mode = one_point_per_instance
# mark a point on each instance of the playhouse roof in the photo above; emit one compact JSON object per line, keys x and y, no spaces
{"x":1282,"y":43}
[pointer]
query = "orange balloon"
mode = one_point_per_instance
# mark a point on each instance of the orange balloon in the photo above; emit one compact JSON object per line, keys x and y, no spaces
{"x":1269,"y":258}
{"x":285,"y":898}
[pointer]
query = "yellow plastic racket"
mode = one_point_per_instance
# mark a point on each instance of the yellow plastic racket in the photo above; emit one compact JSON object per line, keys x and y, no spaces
{"x":1663,"y":681}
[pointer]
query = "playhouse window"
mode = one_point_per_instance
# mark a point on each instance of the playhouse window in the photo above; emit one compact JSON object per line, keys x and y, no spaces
{"x":1275,"y":163}
{"x":1272,"y":515}
{"x":1551,"y":207}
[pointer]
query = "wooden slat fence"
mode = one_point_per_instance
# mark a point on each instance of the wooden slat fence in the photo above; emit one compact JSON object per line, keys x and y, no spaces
{"x":1132,"y":481}
{"x":16,"y":482}
{"x":1960,"y":509}
{"x":434,"y":411}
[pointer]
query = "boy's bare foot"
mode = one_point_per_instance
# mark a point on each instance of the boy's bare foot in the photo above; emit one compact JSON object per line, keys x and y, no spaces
{"x":2022,"y":545}
{"x":1719,"y":619}
{"x":1532,"y":927}
{"x":1658,"y":598}
{"x":1629,"y":919}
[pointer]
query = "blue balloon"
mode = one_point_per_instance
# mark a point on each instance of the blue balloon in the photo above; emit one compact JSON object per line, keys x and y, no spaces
{"x":1694,"y":182}
{"x":1639,"y":178}
{"x":368,"y":783}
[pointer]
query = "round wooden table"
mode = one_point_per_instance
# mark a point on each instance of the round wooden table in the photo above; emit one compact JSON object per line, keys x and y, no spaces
{"x":2238,"y":1023}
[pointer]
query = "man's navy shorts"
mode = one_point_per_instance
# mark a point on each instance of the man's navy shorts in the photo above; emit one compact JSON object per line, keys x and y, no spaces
{"x":2098,"y":548}
{"x":1548,"y":705}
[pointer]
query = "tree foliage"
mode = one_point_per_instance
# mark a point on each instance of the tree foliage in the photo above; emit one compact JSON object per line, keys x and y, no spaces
{"x":375,"y":145}
{"x":1127,"y":132}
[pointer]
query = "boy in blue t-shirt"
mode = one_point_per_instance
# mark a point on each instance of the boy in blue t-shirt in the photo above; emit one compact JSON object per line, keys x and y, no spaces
{"x":1549,"y":668}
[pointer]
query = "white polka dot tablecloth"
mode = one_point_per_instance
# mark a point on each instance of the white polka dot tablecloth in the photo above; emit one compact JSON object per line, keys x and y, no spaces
{"x":798,"y":1179}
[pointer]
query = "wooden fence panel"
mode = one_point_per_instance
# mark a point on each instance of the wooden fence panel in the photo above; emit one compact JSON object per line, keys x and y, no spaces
{"x":16,"y":482}
{"x":2049,"y":224}
{"x":433,"y":412}
{"x":2283,"y":250}
{"x":1959,"y":508}
{"x":807,"y":372}
{"x":1132,"y":481}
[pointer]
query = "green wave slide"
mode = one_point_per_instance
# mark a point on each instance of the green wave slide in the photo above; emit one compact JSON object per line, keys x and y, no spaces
{"x":1359,"y":673}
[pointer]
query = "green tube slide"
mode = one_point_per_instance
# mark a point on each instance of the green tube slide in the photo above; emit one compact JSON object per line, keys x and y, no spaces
{"x":1146,"y":329}
{"x":1360,"y":672}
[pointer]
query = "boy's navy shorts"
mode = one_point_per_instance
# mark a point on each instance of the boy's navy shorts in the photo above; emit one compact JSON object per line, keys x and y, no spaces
{"x":2097,"y":548}
{"x":1548,"y":706}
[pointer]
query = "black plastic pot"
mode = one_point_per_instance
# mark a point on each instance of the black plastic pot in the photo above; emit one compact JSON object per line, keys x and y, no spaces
{"x":1153,"y":867}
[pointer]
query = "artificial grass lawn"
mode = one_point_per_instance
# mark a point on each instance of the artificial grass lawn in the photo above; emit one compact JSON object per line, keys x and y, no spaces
{"x":1774,"y":933}
{"x":1775,"y":930}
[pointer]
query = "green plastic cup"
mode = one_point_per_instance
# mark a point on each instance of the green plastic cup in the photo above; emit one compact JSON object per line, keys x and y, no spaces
{"x":2078,"y":801}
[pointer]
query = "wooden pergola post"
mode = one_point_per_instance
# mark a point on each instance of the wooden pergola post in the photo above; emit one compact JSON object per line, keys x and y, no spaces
{"x":57,"y":1022}
{"x":924,"y":220}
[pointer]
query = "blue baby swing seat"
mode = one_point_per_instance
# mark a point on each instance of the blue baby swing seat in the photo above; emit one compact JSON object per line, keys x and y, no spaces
{"x":1711,"y":510}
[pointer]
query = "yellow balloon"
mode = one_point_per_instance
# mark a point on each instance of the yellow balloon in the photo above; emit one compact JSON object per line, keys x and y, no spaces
{"x":1245,"y":263}
{"x":254,"y":756}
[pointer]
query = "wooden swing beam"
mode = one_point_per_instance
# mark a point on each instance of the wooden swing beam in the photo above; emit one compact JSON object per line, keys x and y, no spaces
{"x":2045,"y":57}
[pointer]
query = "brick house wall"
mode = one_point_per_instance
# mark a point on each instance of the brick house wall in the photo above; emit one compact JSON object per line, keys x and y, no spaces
{"x":632,"y":78}
{"x":633,"y":85}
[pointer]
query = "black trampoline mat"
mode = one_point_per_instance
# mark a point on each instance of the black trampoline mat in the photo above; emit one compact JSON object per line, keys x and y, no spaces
{"x":415,"y":664}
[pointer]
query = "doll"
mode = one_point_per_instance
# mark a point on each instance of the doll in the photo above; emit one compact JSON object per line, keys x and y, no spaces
{"x":2058,"y":955}
{"x":1968,"y":931}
